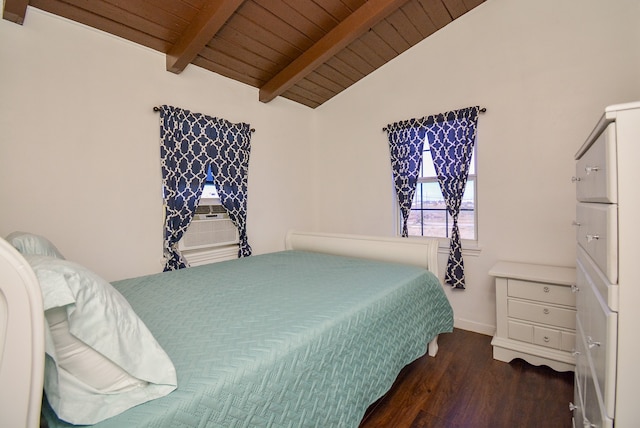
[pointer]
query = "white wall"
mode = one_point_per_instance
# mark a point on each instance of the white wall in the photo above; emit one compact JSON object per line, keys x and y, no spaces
{"x":79,"y":144}
{"x":544,"y":70}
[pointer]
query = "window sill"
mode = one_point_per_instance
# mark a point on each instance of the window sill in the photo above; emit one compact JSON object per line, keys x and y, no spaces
{"x":469,"y":248}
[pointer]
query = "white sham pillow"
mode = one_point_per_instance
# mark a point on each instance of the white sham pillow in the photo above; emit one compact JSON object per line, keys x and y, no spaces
{"x":102,"y":359}
{"x":84,"y":362}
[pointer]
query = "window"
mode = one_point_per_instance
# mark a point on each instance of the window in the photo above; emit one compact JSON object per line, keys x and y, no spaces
{"x":209,"y":192}
{"x":429,"y":217}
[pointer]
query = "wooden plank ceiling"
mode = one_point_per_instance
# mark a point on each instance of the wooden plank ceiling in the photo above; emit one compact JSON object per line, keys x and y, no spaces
{"x":304,"y":50}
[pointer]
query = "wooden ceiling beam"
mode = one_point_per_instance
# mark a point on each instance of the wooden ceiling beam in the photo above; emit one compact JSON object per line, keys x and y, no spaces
{"x":15,"y":10}
{"x":356,"y":24}
{"x":201,"y":30}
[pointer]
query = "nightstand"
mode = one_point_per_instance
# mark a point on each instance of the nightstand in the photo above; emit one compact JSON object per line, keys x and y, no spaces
{"x":535,"y":314}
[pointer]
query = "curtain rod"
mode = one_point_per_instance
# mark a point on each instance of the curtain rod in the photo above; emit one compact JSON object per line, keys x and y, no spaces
{"x":157,"y":109}
{"x":481,"y":110}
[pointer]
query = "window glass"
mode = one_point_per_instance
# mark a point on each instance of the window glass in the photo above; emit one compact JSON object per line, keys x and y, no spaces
{"x":429,"y":215}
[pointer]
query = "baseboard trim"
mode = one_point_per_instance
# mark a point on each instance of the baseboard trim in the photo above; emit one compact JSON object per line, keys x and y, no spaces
{"x":474,"y":326}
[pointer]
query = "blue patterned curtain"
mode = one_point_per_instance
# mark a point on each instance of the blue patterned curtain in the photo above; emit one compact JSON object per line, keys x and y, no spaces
{"x":451,"y":137}
{"x":406,"y":141}
{"x":190,"y":143}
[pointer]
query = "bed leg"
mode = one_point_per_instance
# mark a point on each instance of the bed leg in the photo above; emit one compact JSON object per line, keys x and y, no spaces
{"x":432,"y":349}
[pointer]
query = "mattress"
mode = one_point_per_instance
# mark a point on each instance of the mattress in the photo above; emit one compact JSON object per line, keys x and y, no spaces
{"x":288,"y":339}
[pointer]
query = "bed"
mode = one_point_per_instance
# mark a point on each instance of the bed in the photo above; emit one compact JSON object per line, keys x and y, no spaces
{"x":309,"y":336}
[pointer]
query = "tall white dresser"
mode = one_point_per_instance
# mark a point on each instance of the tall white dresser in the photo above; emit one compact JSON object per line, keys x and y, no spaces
{"x":607,"y":378}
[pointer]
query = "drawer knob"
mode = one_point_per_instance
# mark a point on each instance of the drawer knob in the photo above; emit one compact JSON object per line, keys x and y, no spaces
{"x":592,"y":343}
{"x":590,"y":169}
{"x":546,"y":311}
{"x":575,"y":179}
{"x":546,"y":289}
{"x":546,"y":339}
{"x":575,"y":353}
{"x":574,"y":288}
{"x":592,"y":238}
{"x":572,"y":407}
{"x":575,"y":223}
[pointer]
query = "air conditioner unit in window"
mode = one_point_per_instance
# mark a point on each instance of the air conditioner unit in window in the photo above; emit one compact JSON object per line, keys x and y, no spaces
{"x":209,"y":230}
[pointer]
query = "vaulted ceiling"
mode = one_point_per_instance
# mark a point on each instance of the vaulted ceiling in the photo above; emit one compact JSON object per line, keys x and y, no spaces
{"x":304,"y":50}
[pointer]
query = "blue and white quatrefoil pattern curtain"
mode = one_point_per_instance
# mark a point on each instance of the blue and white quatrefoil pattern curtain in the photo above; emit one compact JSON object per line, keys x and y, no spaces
{"x":190,"y":143}
{"x":451,"y":137}
{"x":406,"y":141}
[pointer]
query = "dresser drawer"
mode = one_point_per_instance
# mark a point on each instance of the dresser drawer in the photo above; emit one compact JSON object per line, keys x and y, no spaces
{"x":596,"y":170}
{"x":597,"y":233}
{"x":594,"y":411}
{"x":577,"y":421}
{"x":599,"y":326}
{"x":582,"y":360}
{"x":541,"y":292}
{"x":543,"y":314}
{"x":587,"y":267}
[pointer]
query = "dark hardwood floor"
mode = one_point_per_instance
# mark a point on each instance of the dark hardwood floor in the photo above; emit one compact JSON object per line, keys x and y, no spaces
{"x":463,"y":386}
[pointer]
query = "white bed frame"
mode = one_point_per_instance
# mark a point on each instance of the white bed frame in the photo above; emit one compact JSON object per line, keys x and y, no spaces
{"x":21,"y":341}
{"x":22,"y":314}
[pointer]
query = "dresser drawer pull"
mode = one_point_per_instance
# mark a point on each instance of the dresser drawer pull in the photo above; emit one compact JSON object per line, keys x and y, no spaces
{"x":575,"y":223}
{"x":592,"y":237}
{"x":546,"y":289}
{"x":572,"y":407}
{"x":545,"y":311}
{"x":546,"y":339}
{"x":574,"y":179}
{"x":574,"y":288}
{"x":575,"y":353}
{"x":590,"y":169}
{"x":592,"y":343}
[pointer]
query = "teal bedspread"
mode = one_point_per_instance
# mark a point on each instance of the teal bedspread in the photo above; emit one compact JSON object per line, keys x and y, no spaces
{"x":288,"y":339}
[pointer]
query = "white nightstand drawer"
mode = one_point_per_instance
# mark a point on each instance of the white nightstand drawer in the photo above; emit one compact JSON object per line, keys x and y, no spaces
{"x":520,"y":331}
{"x":543,"y":314}
{"x":546,"y":337}
{"x":597,"y":233}
{"x":567,"y":341}
{"x":596,"y":170}
{"x":541,"y":292}
{"x":543,"y":336}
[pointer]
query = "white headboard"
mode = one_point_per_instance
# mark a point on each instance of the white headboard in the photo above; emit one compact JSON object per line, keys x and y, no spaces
{"x":422,"y":252}
{"x":21,"y":341}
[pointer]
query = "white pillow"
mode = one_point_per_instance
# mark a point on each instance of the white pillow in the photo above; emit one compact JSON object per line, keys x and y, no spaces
{"x":29,"y":243}
{"x":84,"y":362}
{"x":120,"y":364}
